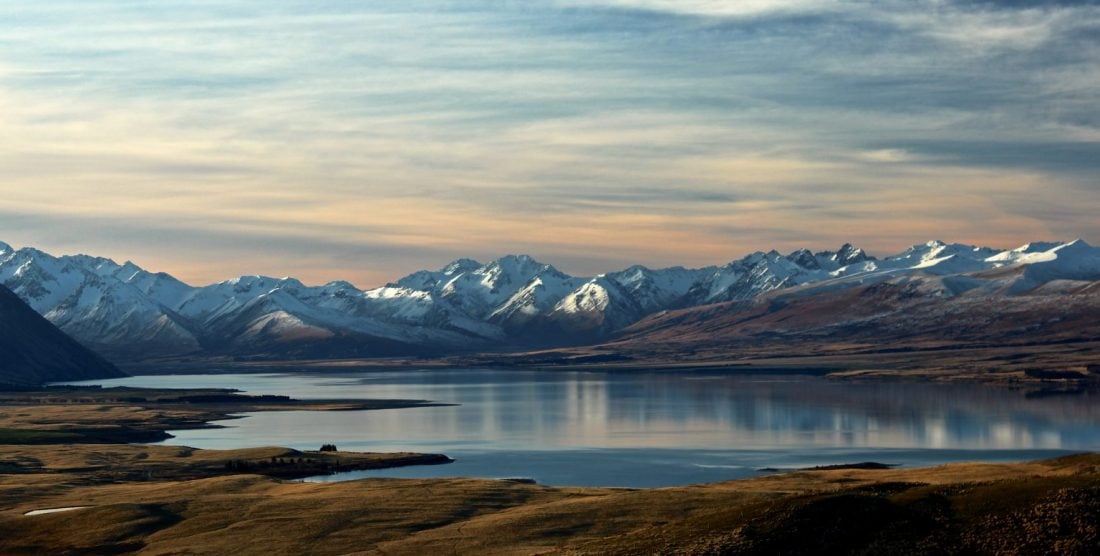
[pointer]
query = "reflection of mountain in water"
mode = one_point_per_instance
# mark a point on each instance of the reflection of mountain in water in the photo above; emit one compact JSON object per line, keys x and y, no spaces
{"x":644,"y":430}
{"x":764,"y":412}
{"x":533,"y":410}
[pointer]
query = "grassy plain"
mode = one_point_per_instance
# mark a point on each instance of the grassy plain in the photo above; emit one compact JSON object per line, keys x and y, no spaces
{"x":1042,"y":507}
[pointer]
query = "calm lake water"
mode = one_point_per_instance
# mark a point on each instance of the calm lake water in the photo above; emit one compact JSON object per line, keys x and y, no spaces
{"x":645,"y":430}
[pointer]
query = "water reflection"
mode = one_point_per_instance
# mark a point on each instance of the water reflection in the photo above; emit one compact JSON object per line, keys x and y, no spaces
{"x":681,"y":418}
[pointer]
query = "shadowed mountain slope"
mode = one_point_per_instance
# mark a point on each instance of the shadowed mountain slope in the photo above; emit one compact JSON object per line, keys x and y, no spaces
{"x":33,"y":351}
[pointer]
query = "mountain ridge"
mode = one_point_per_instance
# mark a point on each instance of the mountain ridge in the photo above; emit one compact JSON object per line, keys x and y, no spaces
{"x":510,"y":303}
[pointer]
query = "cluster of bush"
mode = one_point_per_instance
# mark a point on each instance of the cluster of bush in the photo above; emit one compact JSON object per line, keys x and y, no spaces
{"x":243,"y":465}
{"x":328,"y":447}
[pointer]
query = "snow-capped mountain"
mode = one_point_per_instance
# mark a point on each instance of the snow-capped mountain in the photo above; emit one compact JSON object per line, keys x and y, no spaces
{"x":1075,"y":260}
{"x":509,"y":293}
{"x":937,"y":257}
{"x":502,"y":287}
{"x":595,"y":309}
{"x":930,"y":295}
{"x":86,"y":298}
{"x":511,"y":302}
{"x":426,"y":280}
{"x":654,"y":290}
{"x":540,"y":294}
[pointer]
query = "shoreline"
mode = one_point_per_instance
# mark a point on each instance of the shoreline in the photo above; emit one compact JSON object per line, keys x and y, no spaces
{"x":156,"y":411}
{"x":1054,"y":368}
{"x":87,"y":422}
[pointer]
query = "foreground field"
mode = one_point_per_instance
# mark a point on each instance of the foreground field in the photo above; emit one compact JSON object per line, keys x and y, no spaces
{"x":1043,"y":507}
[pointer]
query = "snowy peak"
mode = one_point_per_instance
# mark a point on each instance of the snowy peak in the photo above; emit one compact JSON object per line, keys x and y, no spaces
{"x":535,"y":298}
{"x":599,"y":306}
{"x":429,"y":280}
{"x":339,"y":288}
{"x":1075,"y":260}
{"x":939,"y":258}
{"x":83,"y":296}
{"x":214,"y":301}
{"x":949,"y":264}
{"x":420,"y":280}
{"x":42,"y":280}
{"x":805,"y":259}
{"x":459,"y":266}
{"x":757,"y":273}
{"x":488,"y":290}
{"x":1040,"y":252}
{"x":847,"y":255}
{"x":391,"y":292}
{"x":829,"y":260}
{"x":246,"y":283}
{"x":160,"y":287}
{"x":1078,"y":245}
{"x":592,"y":297}
{"x":929,"y":255}
{"x":654,"y":290}
{"x":340,"y":285}
{"x":510,"y":268}
{"x":1026,"y":249}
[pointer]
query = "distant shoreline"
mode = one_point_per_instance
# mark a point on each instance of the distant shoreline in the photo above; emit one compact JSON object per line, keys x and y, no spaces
{"x":161,"y":410}
{"x":1050,"y":366}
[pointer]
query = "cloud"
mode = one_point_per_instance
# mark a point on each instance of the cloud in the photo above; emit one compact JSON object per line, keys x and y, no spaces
{"x":715,"y":8}
{"x":593,"y":133}
{"x":886,"y":155}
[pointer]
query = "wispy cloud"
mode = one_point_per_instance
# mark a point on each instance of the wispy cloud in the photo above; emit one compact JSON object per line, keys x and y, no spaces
{"x":594,"y":133}
{"x":717,"y":8}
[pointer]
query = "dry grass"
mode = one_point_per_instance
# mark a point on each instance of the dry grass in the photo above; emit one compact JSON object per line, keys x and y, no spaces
{"x":964,"y":507}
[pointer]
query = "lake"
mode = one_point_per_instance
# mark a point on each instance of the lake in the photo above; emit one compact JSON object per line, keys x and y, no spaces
{"x":648,"y":429}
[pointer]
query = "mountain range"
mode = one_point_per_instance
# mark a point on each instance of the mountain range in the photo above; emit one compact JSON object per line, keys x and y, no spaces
{"x":517,"y":303}
{"x":938,"y":297}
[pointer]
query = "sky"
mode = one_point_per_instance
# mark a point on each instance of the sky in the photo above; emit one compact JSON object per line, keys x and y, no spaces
{"x":363,"y":140}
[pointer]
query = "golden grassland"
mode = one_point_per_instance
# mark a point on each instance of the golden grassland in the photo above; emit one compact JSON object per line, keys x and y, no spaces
{"x":1042,"y":507}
